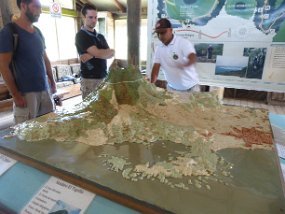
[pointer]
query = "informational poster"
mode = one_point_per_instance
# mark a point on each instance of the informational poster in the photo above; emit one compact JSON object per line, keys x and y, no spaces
{"x":58,"y":196}
{"x":281,"y":150}
{"x":239,"y":43}
{"x":5,"y":163}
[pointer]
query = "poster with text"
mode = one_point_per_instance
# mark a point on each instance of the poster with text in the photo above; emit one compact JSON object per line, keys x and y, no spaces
{"x":239,"y":44}
{"x":58,"y":196}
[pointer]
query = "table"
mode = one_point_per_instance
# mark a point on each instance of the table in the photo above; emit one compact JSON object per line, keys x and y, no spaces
{"x":255,"y":186}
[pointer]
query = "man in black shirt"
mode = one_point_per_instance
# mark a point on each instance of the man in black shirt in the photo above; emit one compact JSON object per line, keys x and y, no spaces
{"x":93,"y":50}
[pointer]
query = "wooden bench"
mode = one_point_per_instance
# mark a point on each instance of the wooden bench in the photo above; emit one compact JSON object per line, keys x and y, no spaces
{"x":6,"y":102}
{"x":6,"y":105}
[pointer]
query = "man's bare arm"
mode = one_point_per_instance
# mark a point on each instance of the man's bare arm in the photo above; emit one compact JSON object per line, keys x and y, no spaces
{"x":101,"y":53}
{"x":49,"y":73}
{"x":5,"y":60}
{"x":154,"y":72}
{"x":191,"y":59}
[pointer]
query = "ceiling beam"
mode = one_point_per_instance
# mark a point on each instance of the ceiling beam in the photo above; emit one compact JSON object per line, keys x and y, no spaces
{"x":120,"y":6}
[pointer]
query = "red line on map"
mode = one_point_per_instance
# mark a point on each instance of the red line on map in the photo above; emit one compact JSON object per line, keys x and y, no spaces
{"x":213,"y":37}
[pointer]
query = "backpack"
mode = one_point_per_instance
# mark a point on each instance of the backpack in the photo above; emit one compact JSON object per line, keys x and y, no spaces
{"x":13,"y":30}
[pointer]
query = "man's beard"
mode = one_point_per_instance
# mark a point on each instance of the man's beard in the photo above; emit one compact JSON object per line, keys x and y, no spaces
{"x":32,"y":18}
{"x":91,"y":26}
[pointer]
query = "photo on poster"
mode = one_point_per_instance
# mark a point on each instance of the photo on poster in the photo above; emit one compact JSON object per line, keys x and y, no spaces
{"x":255,"y":62}
{"x":61,"y":207}
{"x":208,"y":52}
{"x":231,"y":66}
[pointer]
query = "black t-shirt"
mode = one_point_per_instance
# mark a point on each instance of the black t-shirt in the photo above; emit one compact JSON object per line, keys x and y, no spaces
{"x":94,"y":68}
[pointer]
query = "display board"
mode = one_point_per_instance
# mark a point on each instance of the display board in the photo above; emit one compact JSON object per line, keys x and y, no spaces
{"x":239,"y":44}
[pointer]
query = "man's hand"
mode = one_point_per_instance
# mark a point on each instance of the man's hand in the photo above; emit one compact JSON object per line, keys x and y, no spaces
{"x":85,"y":57}
{"x":147,"y":78}
{"x":20,"y":101}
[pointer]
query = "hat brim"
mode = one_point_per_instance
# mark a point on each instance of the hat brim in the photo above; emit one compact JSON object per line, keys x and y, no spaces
{"x":160,"y":30}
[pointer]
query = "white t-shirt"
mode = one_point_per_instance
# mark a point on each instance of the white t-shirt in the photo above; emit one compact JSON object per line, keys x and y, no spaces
{"x":172,"y":59}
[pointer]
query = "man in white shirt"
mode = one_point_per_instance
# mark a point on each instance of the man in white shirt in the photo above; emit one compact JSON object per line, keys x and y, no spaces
{"x":177,"y":57}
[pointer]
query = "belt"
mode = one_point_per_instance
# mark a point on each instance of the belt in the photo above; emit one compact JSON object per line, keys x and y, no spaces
{"x":189,"y":89}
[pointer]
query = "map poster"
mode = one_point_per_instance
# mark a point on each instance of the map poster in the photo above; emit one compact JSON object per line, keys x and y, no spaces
{"x":239,"y":44}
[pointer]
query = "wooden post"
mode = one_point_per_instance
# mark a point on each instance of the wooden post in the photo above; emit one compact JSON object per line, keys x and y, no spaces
{"x":134,"y":22}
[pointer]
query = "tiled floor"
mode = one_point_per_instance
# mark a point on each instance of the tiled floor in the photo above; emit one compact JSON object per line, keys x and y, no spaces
{"x":6,"y":118}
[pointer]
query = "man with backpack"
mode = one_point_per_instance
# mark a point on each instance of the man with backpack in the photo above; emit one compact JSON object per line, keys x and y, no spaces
{"x":30,"y":81}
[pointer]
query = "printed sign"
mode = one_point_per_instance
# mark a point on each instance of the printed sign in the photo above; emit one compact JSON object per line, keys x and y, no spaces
{"x":5,"y":163}
{"x":58,"y":196}
{"x":55,"y":9}
{"x":239,"y":44}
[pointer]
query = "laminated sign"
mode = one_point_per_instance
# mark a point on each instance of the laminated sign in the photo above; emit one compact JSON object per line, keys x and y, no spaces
{"x":55,"y":9}
{"x":5,"y":163}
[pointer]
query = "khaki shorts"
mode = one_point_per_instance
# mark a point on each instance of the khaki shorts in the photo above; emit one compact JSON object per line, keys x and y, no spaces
{"x":184,"y":95}
{"x":38,"y":103}
{"x":88,"y":86}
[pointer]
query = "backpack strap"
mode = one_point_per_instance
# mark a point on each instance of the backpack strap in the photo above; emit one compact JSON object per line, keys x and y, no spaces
{"x":41,"y":35}
{"x":39,"y":31}
{"x":15,"y":35}
{"x":13,"y":30}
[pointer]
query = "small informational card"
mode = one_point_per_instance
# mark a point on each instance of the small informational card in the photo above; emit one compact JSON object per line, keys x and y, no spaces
{"x":283,"y":168}
{"x":280,"y":150}
{"x":5,"y":163}
{"x":58,"y":196}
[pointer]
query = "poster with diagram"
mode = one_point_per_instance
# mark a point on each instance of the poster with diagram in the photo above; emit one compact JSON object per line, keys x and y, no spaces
{"x":239,"y":43}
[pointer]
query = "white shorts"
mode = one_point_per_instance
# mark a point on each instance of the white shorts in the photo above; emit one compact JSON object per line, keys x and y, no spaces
{"x":38,"y":103}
